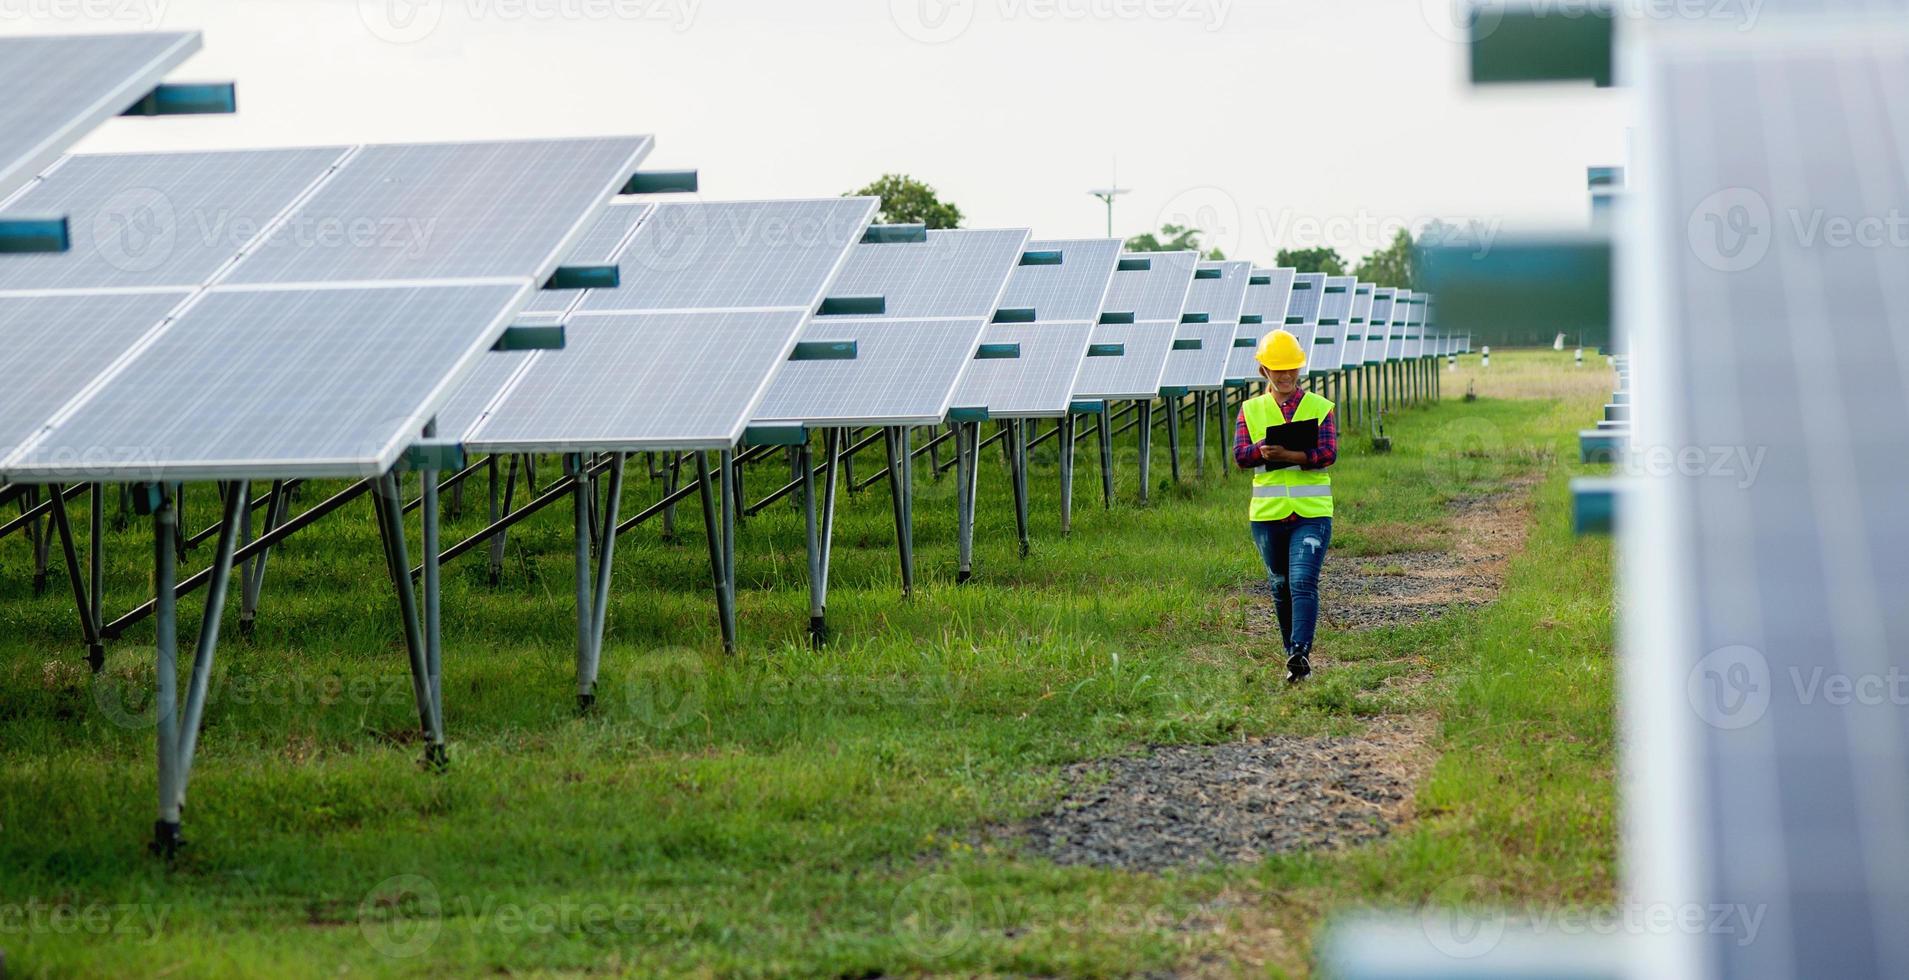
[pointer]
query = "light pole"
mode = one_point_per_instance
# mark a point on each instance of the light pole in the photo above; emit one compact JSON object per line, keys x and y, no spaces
{"x":1107,"y":195}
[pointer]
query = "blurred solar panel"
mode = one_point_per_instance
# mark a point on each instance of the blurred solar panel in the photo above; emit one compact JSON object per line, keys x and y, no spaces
{"x":1302,"y":316}
{"x":445,"y":211}
{"x":158,"y":219}
{"x":60,"y":88}
{"x":1401,"y":321}
{"x":57,"y":345}
{"x":1752,"y":587}
{"x":278,"y":383}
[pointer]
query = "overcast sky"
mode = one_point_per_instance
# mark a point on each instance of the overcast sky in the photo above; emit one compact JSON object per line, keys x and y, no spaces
{"x":1273,"y":123}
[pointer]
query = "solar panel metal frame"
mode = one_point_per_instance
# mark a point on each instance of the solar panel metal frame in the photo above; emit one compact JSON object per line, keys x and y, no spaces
{"x":168,"y":51}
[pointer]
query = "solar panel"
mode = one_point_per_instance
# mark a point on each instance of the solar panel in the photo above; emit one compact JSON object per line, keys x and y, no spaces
{"x":1379,"y":324}
{"x":1415,"y":327}
{"x":281,"y":380}
{"x":276,"y":383}
{"x":480,"y":388}
{"x":600,"y":245}
{"x":57,"y":345}
{"x":60,"y":88}
{"x":1070,"y":291}
{"x":1219,"y":300}
{"x":1157,"y":292}
{"x":445,"y":211}
{"x":642,"y":381}
{"x":158,"y":219}
{"x":682,"y":379}
{"x":955,"y":273}
{"x":1302,"y":315}
{"x":736,"y":255}
{"x":908,"y":362}
{"x":1064,"y":283}
{"x":1356,"y":325}
{"x":1037,"y":384}
{"x":1335,"y":309}
{"x":1135,"y":372}
{"x":1401,"y":320}
{"x":904,"y":373}
{"x":1151,"y":288}
{"x":1268,"y":301}
{"x":1765,"y":626}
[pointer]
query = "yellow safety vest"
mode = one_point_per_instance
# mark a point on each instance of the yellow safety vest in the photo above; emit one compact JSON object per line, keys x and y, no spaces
{"x":1280,"y":493}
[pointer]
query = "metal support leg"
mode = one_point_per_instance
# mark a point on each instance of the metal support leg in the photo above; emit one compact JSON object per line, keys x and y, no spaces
{"x":1173,"y":436}
{"x":388,"y":500}
{"x":178,"y":731}
{"x":593,"y":615}
{"x":967,"y":435}
{"x":434,"y":752}
{"x":497,"y":540}
{"x":1146,"y":449}
{"x":672,"y":474}
{"x":819,"y":527}
{"x":1199,"y":435}
{"x":1105,"y":426}
{"x":715,"y":526}
{"x":252,"y":576}
{"x":1067,"y":473}
{"x":88,"y":610}
{"x":580,"y":541}
{"x":1017,"y":451}
{"x":899,"y":469}
{"x":96,"y":568}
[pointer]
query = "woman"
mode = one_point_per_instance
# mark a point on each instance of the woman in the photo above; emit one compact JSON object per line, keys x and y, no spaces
{"x":1291,"y":509}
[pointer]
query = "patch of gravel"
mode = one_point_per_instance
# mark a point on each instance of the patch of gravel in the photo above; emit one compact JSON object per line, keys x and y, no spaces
{"x":1182,"y":806}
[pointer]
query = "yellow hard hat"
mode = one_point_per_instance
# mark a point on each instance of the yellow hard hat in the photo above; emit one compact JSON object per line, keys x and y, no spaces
{"x":1279,"y":351}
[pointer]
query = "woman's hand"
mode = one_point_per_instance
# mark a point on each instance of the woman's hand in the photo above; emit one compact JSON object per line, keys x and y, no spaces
{"x":1281,"y":456}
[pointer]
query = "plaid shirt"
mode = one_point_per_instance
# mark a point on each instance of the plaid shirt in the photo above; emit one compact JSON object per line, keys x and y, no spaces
{"x":1246,"y":451}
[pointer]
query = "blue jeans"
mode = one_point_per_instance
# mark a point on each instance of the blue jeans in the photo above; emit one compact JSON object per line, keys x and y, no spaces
{"x":1294,"y":552}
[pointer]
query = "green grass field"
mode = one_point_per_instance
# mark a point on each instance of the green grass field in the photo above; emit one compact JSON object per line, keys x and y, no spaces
{"x":787,"y":811}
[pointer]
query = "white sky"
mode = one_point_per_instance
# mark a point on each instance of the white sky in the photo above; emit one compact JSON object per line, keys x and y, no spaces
{"x":1273,"y":123}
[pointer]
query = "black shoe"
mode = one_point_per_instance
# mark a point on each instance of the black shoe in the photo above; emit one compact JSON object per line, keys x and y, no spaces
{"x":1298,"y":666}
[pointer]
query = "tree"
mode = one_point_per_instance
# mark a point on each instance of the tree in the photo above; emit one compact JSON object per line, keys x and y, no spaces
{"x":1321,"y":259}
{"x":1389,"y":266}
{"x":906,"y":200}
{"x":1178,"y":238}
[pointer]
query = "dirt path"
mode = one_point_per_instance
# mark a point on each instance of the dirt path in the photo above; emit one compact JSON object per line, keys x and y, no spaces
{"x":1192,"y":805}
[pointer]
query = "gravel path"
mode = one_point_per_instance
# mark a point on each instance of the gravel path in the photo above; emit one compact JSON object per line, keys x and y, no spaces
{"x":1191,"y":805}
